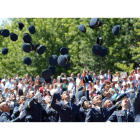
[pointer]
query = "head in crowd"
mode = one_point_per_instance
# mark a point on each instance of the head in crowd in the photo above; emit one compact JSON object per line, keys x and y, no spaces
{"x":97,"y":100}
{"x":125,"y":103}
{"x":86,"y":104}
{"x":108,"y":104}
{"x":65,"y":96}
{"x":5,"y":107}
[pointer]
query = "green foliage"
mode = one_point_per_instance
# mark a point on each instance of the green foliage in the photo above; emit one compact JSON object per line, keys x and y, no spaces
{"x":123,"y":49}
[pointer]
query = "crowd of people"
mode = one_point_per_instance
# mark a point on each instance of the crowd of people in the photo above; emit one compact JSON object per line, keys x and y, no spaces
{"x":85,"y":97}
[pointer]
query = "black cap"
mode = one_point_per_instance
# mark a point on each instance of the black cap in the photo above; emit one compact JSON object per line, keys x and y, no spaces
{"x":36,"y":47}
{"x":48,"y":80}
{"x":82,"y":28}
{"x":96,"y":49}
{"x":53,"y":60}
{"x":67,"y":66}
{"x":5,"y":32}
{"x":31,"y":29}
{"x":13,"y":36}
{"x":62,"y":60}
{"x":27,"y":38}
{"x":94,"y":22}
{"x":67,"y":57}
{"x":4,"y":51}
{"x":103,"y":52}
{"x":41,"y":49}
{"x":64,"y":51}
{"x":53,"y":69}
{"x":116,"y":29}
{"x":46,"y":74}
{"x":27,"y":47}
{"x":99,"y":40}
{"x":119,"y":26}
{"x":27,"y":60}
{"x":21,"y":25}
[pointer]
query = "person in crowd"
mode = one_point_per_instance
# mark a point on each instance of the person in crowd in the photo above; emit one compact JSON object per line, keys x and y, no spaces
{"x":67,"y":110}
{"x":109,"y":76}
{"x":65,"y":84}
{"x":97,"y":86}
{"x":78,"y":81}
{"x":124,"y":115}
{"x":71,"y":84}
{"x":59,"y":81}
{"x":132,"y":74}
{"x":94,"y":78}
{"x":3,"y":85}
{"x":20,"y":86}
{"x":6,"y":93}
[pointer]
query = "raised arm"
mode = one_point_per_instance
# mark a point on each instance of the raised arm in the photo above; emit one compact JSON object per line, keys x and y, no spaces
{"x":136,"y":102}
{"x":55,"y":105}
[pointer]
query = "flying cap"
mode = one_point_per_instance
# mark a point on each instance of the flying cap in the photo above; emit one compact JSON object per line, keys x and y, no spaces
{"x":96,"y":49}
{"x":53,"y":60}
{"x":64,"y":51}
{"x":5,"y":32}
{"x":99,"y":40}
{"x":4,"y":50}
{"x":116,"y":29}
{"x":13,"y":36}
{"x":21,"y":25}
{"x":27,"y":61}
{"x":82,"y":28}
{"x":46,"y":74}
{"x":103,"y":52}
{"x":27,"y":47}
{"x":27,"y":38}
{"x":62,"y":60}
{"x":31,"y":29}
{"x":41,"y":49}
{"x":94,"y":22}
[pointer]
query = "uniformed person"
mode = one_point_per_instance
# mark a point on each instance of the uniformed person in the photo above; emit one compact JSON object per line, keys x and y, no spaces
{"x":67,"y":110}
{"x":53,"y":114}
{"x":100,"y":113}
{"x":6,"y":117}
{"x":136,"y":105}
{"x":124,"y":115}
{"x":18,"y":109}
{"x":85,"y":105}
{"x":95,"y":114}
{"x":34,"y":108}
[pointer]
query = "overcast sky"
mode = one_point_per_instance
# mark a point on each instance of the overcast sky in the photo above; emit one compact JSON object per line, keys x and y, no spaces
{"x":3,"y":19}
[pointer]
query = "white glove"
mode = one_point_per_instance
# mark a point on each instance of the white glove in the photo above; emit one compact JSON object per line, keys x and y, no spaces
{"x":7,"y":100}
{"x":55,"y":91}
{"x":22,"y":114}
{"x":82,"y":100}
{"x":39,"y":98}
{"x":73,"y":91}
{"x":37,"y":94}
{"x":21,"y":107}
{"x":131,"y":90}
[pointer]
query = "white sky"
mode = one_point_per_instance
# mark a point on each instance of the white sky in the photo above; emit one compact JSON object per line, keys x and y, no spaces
{"x":3,"y":19}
